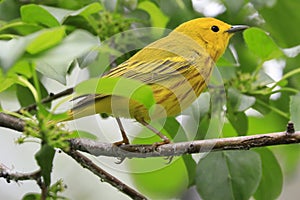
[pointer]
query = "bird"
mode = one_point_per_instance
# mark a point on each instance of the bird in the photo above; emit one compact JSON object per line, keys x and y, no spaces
{"x":177,"y":67}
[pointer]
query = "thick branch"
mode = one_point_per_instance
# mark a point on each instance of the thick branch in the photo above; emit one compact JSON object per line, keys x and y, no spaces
{"x":173,"y":149}
{"x":11,"y":122}
{"x":181,"y":148}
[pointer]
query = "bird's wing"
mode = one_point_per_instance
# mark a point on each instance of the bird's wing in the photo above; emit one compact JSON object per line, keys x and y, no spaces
{"x":146,"y":72}
{"x":150,"y":72}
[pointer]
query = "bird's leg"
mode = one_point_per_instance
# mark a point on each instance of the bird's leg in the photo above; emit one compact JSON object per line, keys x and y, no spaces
{"x":165,"y":139}
{"x":125,"y":139}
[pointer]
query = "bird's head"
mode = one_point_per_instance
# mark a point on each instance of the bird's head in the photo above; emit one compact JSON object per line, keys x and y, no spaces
{"x":210,"y":33}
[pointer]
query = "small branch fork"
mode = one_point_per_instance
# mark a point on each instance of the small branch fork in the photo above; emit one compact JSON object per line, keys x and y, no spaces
{"x":18,"y":124}
{"x":19,"y":176}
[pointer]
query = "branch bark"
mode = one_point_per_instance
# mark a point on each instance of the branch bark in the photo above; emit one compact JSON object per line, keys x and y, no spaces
{"x":18,"y":176}
{"x":174,"y":149}
{"x":11,"y":122}
{"x":177,"y":149}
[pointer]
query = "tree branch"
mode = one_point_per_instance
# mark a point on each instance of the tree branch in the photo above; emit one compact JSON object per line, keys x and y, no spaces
{"x":177,"y":149}
{"x":87,"y":163}
{"x":174,"y":149}
{"x":18,"y":176}
{"x":48,"y":99}
{"x":11,"y":122}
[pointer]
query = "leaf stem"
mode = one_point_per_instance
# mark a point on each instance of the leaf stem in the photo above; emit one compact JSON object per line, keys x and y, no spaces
{"x":285,"y":89}
{"x":36,"y":83}
{"x":286,"y":76}
{"x":276,"y":110}
{"x":30,"y":87}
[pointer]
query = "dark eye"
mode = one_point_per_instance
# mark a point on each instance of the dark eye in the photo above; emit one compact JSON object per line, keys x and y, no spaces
{"x":215,"y":28}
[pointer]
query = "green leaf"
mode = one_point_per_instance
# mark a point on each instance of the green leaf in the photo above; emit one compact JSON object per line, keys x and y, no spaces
{"x":83,"y":134}
{"x":25,"y":96}
{"x":228,"y":59}
{"x":190,"y":165}
{"x":262,"y":79}
{"x":20,"y":27}
{"x":260,"y":104}
{"x":261,"y":44}
{"x":33,"y":13}
{"x":55,"y":62}
{"x":32,"y":196}
{"x":59,"y":116}
{"x":239,"y":122}
{"x":150,"y":176}
{"x":228,"y":175}
{"x":88,"y":10}
{"x":17,"y":46}
{"x":174,"y":129}
{"x":271,"y":182}
{"x":176,"y":132}
{"x":7,"y":82}
{"x":9,"y":10}
{"x":44,"y":158}
{"x":238,"y":101}
{"x":158,"y":18}
{"x":22,"y":67}
{"x":295,"y":110}
{"x":280,"y":18}
{"x":62,"y":14}
{"x":118,"y":86}
{"x":46,"y":39}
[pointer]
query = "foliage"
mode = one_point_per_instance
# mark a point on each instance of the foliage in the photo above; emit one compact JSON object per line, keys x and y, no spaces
{"x":49,"y":38}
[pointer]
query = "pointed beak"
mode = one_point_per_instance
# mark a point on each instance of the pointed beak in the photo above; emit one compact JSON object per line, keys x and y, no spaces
{"x":237,"y":28}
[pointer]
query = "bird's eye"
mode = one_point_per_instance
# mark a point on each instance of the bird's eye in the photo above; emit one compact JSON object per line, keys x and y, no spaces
{"x":215,"y":28}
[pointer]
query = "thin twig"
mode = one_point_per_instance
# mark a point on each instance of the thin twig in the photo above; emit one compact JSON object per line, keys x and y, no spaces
{"x":104,"y":176}
{"x":48,"y":99}
{"x":18,"y":176}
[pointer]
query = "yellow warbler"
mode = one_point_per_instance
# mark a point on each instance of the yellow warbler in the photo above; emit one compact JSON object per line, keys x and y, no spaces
{"x":176,"y":67}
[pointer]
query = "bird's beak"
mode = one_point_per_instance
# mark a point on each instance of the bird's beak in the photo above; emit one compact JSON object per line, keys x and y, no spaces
{"x":237,"y":28}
